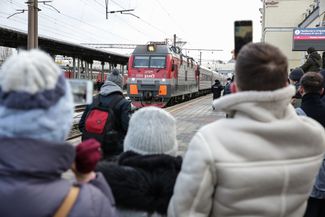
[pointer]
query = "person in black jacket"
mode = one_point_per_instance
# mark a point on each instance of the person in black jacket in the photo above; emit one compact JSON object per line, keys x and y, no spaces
{"x":311,"y":89}
{"x":313,"y":62}
{"x":143,"y":179}
{"x":216,"y":89}
{"x":227,"y":87}
{"x":110,"y":92}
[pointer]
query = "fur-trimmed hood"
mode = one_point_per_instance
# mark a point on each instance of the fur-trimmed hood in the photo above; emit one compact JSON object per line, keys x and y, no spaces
{"x":142,"y":182}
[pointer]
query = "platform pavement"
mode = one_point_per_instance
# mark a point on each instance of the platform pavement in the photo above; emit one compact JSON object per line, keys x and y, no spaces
{"x":191,"y":116}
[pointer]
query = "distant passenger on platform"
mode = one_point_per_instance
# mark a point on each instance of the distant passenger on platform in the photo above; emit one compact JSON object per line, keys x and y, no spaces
{"x":227,"y":89}
{"x":143,"y":179}
{"x":294,"y":79}
{"x":111,"y":134}
{"x":115,"y":70}
{"x":261,"y":161}
{"x":311,"y":90}
{"x":313,"y":62}
{"x":36,"y":113}
{"x":216,"y":89}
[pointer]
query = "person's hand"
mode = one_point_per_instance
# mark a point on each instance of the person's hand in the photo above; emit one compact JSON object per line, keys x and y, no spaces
{"x":87,"y":155}
{"x":83,"y":177}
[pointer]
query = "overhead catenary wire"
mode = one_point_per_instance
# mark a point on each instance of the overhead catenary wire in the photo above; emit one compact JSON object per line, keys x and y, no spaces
{"x":96,"y":28}
{"x":169,"y":15}
{"x":83,"y":22}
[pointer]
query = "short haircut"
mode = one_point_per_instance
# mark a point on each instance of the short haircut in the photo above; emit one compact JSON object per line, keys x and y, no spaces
{"x":312,"y":82}
{"x":261,"y":67}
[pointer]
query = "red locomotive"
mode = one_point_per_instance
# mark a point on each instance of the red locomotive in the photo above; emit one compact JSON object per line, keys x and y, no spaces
{"x":159,"y":74}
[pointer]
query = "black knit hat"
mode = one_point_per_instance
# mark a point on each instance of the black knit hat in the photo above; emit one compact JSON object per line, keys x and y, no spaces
{"x":296,"y":74}
{"x":310,"y":50}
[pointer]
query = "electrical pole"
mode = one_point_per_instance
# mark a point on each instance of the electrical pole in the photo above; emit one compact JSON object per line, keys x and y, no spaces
{"x":175,"y":40}
{"x":32,"y":39}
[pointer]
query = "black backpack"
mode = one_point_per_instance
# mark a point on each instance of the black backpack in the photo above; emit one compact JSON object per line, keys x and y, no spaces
{"x":101,"y":124}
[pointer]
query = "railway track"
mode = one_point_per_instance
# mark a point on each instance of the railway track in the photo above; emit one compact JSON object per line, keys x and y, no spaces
{"x":75,"y":132}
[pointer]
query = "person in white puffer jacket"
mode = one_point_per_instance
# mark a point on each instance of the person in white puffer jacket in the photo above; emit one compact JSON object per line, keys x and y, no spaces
{"x":262,"y":161}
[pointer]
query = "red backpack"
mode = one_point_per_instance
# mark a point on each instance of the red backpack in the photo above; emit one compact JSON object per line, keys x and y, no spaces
{"x":101,"y":125}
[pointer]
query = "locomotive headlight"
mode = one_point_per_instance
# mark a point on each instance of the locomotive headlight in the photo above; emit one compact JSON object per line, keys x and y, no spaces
{"x":132,"y":79}
{"x":163,"y":80}
{"x":151,"y":48}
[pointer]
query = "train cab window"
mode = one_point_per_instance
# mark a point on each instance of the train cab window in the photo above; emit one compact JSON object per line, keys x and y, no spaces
{"x":157,"y":62}
{"x":141,"y":62}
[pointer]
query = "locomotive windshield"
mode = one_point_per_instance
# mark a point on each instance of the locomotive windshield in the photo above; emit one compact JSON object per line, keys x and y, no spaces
{"x":149,"y":62}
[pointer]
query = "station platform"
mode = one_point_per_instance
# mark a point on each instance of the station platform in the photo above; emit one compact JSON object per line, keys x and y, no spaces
{"x":190,"y":116}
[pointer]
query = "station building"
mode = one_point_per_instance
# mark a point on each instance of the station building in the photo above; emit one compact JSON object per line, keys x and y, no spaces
{"x":280,"y":17}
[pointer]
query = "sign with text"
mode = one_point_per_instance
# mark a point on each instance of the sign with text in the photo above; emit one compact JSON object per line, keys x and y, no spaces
{"x":303,"y":38}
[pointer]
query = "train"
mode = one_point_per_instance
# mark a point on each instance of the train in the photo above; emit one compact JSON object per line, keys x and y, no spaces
{"x":96,"y":77}
{"x":160,"y":75}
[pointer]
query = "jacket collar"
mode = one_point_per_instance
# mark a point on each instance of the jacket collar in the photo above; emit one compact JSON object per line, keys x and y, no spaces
{"x":311,"y":97}
{"x":259,"y":105}
{"x":149,"y":162}
{"x":25,"y":156}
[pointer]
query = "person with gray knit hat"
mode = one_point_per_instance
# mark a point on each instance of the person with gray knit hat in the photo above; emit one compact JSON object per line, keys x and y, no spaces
{"x":110,"y":96}
{"x":143,"y":179}
{"x":36,"y":113}
{"x":115,"y":77}
{"x":151,"y":137}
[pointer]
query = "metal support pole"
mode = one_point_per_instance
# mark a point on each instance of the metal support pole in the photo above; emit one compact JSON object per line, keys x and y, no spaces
{"x":35,"y":24}
{"x":110,"y":68}
{"x":91,"y":71}
{"x":78,"y":72}
{"x":32,"y":39}
{"x":87,"y":70}
{"x":174,"y":40}
{"x":74,"y":67}
{"x":102,"y":73}
{"x":31,"y":23}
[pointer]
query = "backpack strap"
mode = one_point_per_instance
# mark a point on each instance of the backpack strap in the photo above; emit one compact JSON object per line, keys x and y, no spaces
{"x":96,"y":100}
{"x":68,"y":202}
{"x":113,"y":104}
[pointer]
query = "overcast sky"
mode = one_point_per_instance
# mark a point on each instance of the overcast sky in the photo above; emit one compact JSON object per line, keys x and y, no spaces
{"x":204,"y":24}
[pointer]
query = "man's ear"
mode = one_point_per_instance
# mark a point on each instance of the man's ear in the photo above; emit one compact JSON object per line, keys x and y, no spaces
{"x":301,"y":90}
{"x":322,"y":91}
{"x":233,"y":87}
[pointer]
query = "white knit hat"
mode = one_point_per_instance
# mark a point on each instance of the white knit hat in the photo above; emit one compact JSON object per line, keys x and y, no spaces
{"x":151,"y":131}
{"x":35,"y":98}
